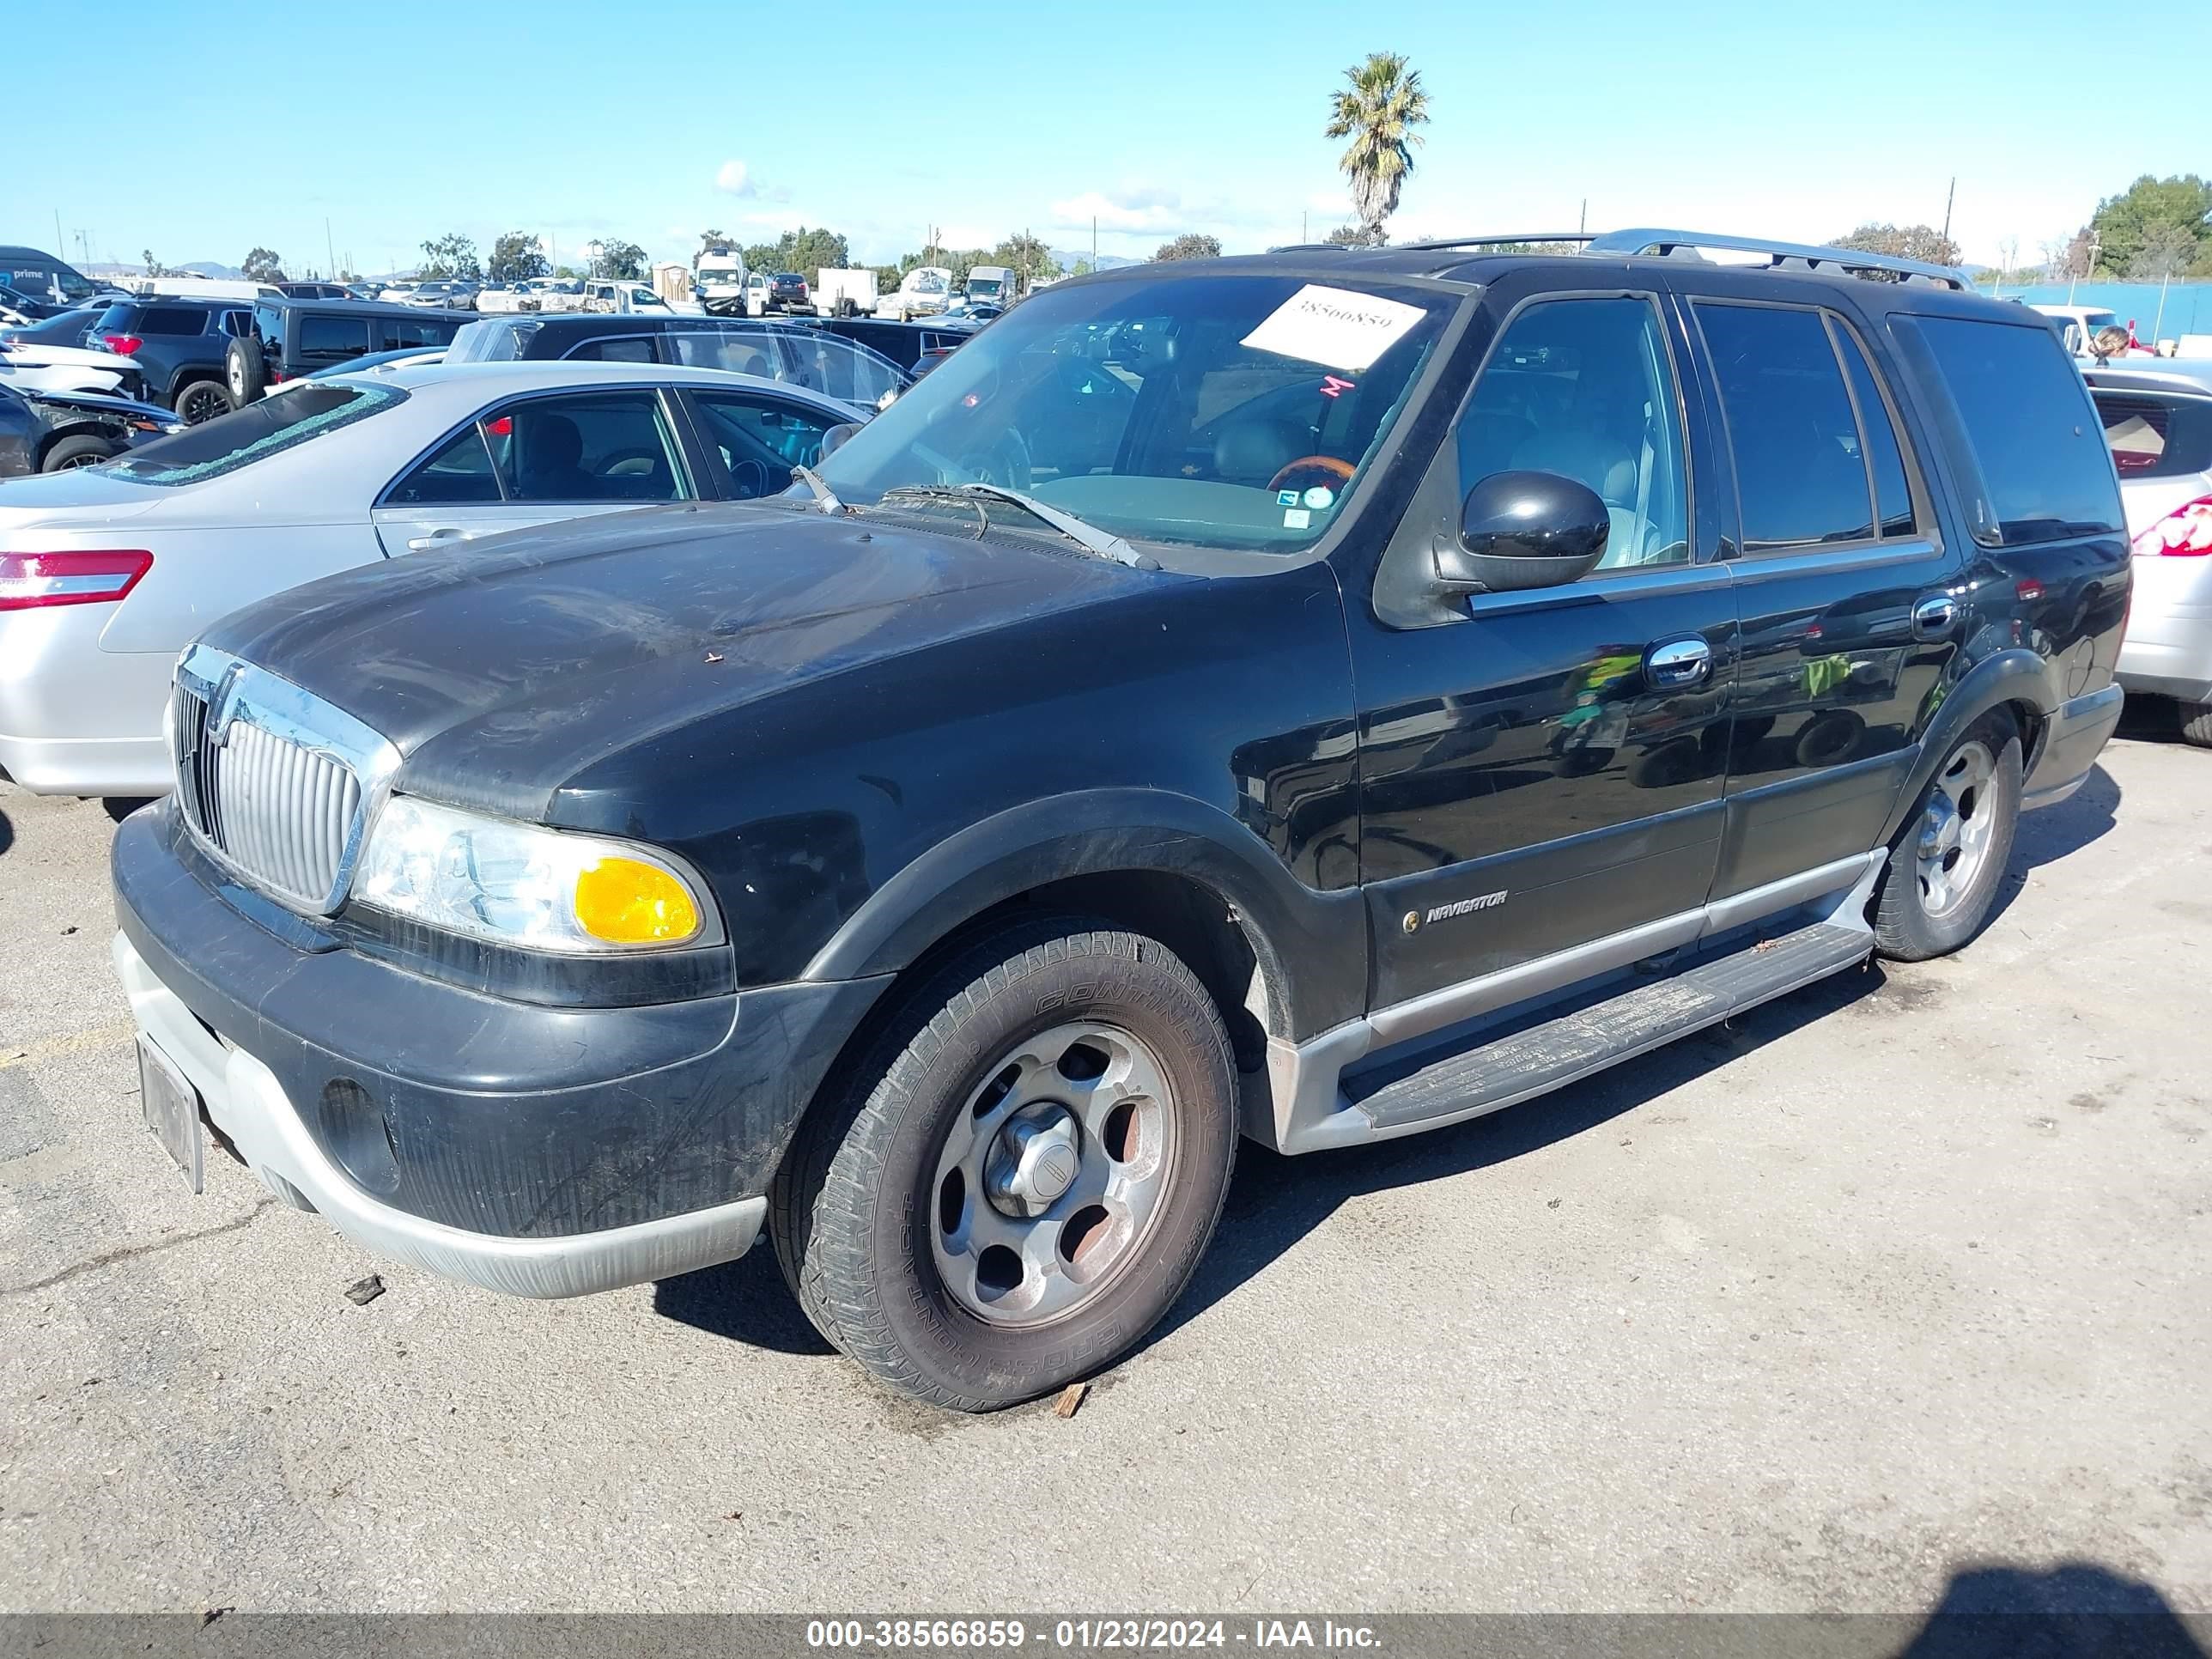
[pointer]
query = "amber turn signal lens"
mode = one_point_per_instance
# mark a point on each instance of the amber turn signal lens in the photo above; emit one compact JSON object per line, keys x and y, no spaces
{"x":626,"y":902}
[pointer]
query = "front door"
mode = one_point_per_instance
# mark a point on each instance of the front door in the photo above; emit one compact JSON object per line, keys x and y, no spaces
{"x":535,"y":460}
{"x":1545,"y":770}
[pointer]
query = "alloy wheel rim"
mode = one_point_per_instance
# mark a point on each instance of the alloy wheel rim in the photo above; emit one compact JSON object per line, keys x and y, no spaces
{"x":1050,"y":1179}
{"x":1956,"y":829}
{"x":200,"y":403}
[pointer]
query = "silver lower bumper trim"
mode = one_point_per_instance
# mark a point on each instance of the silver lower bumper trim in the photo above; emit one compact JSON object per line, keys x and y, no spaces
{"x":244,"y":1099}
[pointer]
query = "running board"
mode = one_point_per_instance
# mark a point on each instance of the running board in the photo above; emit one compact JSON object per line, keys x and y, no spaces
{"x":1501,"y":1040}
{"x":1559,"y":1051}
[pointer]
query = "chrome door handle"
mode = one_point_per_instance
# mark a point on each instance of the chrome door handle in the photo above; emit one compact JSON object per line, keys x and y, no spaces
{"x":1678,"y":662}
{"x":1933,"y":617}
{"x":435,"y":538}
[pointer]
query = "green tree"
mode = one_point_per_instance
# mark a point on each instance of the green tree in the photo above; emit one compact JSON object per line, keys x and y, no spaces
{"x":154,"y":267}
{"x":1191,"y":245}
{"x":624,"y":260}
{"x":516,"y":257}
{"x":711,"y":240}
{"x":262,"y":266}
{"x":1346,"y":236}
{"x":451,"y":255}
{"x":1378,"y":110}
{"x":1922,"y":242}
{"x":2169,"y":251}
{"x":1027,"y":256}
{"x":2125,"y":225}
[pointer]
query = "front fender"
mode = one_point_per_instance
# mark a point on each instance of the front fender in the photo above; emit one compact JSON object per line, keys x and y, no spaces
{"x":1312,"y":945}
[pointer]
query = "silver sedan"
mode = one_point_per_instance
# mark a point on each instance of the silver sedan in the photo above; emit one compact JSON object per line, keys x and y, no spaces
{"x":107,"y":572}
{"x":2158,"y":420}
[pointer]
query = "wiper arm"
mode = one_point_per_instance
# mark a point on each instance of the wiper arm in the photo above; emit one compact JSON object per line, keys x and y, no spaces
{"x":1088,"y":537}
{"x":824,"y":497}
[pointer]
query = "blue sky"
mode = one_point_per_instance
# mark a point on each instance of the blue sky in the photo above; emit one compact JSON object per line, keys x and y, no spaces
{"x":883,"y":120}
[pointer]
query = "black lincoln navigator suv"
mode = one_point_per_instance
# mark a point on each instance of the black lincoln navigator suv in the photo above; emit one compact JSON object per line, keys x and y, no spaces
{"x":1313,"y":697}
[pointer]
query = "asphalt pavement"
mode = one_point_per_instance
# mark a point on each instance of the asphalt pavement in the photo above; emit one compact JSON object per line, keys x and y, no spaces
{"x":1900,"y":1279}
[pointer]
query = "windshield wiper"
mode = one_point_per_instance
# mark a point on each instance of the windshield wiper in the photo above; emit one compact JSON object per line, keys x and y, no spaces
{"x":1088,"y":536}
{"x":824,"y":497}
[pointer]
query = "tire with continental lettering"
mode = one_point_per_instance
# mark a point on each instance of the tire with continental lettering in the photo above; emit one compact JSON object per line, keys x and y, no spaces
{"x":1024,"y":1169}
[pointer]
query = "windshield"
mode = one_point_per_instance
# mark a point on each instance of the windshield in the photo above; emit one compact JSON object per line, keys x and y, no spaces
{"x":1220,"y":409}
{"x":254,"y":433}
{"x":41,"y":278}
{"x":983,"y":287}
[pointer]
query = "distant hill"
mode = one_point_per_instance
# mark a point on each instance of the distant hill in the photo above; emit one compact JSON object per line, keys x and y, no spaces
{"x":210,"y":268}
{"x":1069,"y":258}
{"x":198,"y":268}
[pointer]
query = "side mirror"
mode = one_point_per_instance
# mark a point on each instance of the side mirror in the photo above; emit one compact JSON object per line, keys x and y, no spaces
{"x":1520,"y":529}
{"x":834,"y":440}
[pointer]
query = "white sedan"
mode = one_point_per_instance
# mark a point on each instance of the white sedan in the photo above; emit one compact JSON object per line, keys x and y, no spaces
{"x":107,"y":572}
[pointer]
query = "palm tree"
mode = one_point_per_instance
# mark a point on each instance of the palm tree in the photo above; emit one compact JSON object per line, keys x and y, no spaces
{"x":1378,"y":112}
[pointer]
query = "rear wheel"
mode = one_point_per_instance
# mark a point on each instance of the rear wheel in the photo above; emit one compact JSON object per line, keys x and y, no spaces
{"x":2197,"y":723}
{"x":1950,"y":859}
{"x":202,"y":400}
{"x":1025,"y":1172}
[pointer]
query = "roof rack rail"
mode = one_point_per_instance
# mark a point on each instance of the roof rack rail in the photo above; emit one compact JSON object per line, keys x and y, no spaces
{"x":1781,"y":255}
{"x":1445,"y":244}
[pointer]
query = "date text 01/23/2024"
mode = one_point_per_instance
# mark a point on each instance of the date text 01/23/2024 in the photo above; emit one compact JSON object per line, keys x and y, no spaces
{"x":1085,"y":1634}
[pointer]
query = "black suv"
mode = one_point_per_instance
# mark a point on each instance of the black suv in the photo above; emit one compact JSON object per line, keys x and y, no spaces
{"x":1316,"y":697}
{"x":786,"y":289}
{"x":178,"y":346}
{"x":798,"y":351}
{"x":287,"y":338}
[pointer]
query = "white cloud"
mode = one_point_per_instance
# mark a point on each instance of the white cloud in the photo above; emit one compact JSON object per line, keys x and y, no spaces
{"x":1121,"y":210}
{"x":735,"y":180}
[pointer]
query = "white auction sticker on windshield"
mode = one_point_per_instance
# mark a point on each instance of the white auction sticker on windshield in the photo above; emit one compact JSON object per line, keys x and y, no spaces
{"x":1334,"y":326}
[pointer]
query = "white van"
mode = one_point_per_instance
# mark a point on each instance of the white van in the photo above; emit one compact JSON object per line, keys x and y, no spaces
{"x":718,"y":280}
{"x":926,"y":290}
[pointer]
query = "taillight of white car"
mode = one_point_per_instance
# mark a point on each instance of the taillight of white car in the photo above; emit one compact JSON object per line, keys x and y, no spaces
{"x":2186,"y":532}
{"x":33,"y":581}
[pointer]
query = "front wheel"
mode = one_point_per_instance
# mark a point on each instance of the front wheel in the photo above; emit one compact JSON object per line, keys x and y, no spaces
{"x":81,"y":449}
{"x":2197,"y":724}
{"x":202,"y":400}
{"x":1950,"y":858}
{"x":1025,"y":1172}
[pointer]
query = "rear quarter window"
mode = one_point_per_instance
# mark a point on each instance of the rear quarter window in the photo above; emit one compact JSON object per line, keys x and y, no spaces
{"x":173,"y":319}
{"x":2030,"y":449}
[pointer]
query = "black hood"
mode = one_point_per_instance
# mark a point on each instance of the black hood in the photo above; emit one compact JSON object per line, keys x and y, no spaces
{"x":501,"y":669}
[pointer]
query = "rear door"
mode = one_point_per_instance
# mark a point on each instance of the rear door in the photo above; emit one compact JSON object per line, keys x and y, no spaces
{"x":534,"y":460}
{"x":1845,"y":590}
{"x":1544,"y":772}
{"x":752,"y":439}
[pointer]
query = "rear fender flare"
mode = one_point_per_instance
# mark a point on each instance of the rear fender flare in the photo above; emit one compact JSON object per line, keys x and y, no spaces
{"x":1311,"y":945}
{"x":2014,"y":675}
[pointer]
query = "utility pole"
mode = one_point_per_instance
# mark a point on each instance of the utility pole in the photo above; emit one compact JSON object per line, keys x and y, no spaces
{"x":1949,"y":197}
{"x":331,"y":248}
{"x":1582,"y":225}
{"x":1094,"y":242}
{"x":60,"y":240}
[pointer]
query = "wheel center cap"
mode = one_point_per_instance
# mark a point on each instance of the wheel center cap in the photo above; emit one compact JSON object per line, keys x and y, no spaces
{"x":1033,"y":1160}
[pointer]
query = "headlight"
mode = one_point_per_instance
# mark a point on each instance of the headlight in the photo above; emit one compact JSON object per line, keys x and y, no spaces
{"x":515,"y":884}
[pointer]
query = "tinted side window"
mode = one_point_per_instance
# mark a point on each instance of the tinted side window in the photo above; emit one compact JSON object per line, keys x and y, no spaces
{"x":459,"y":472}
{"x":1893,"y":495}
{"x":597,"y":446}
{"x":629,"y":349}
{"x":1800,"y":476}
{"x":268,"y":324}
{"x":2024,"y":421}
{"x":1582,"y":388}
{"x":330,"y":339}
{"x":399,"y":333}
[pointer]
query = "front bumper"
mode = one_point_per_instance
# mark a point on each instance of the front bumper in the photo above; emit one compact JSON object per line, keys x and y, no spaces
{"x":539,"y":1150}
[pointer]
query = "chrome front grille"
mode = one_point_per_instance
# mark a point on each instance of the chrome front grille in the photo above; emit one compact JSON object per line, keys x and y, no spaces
{"x":271,"y":779}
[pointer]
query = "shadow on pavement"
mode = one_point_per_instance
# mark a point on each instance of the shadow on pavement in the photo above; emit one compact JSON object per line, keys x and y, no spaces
{"x":745,"y":1300}
{"x":2049,"y":833}
{"x":2077,"y":1610}
{"x":7,"y":833}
